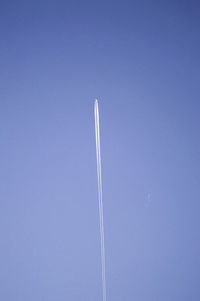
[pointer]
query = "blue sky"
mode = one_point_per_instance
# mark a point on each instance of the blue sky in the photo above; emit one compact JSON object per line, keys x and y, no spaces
{"x":141,"y":60}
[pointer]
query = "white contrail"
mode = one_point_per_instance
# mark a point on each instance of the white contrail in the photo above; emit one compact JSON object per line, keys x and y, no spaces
{"x":97,"y":135}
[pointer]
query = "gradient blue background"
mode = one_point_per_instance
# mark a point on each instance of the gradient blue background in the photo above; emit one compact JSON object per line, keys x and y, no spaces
{"x":141,"y":60}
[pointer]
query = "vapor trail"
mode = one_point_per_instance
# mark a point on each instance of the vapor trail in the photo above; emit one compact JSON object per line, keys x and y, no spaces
{"x":98,"y":153}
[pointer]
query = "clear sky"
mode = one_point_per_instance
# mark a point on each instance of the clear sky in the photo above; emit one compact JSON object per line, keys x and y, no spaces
{"x":141,"y":60}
